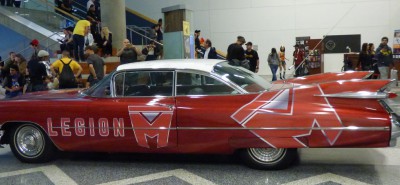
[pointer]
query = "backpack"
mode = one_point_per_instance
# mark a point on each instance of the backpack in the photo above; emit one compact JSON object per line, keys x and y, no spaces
{"x":67,"y":77}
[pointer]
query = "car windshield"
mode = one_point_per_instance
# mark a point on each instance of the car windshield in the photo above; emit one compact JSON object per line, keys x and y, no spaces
{"x":101,"y":89}
{"x":244,"y":78}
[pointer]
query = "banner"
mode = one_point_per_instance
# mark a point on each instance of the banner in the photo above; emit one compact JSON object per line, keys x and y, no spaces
{"x":342,"y":43}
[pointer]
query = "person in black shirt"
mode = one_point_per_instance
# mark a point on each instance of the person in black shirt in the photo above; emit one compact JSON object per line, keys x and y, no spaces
{"x":235,"y":50}
{"x":37,"y":71}
{"x":97,"y":67}
{"x":94,"y":20}
{"x":197,"y":45}
{"x":14,"y":82}
{"x":252,"y":56}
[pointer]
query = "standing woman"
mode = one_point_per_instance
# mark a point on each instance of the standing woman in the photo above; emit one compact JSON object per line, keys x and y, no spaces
{"x":371,"y":53}
{"x":282,"y":63}
{"x":106,"y":36}
{"x":364,"y":59}
{"x":273,"y":61}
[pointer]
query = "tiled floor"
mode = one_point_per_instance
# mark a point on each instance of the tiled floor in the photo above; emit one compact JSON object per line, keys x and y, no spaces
{"x":316,"y":166}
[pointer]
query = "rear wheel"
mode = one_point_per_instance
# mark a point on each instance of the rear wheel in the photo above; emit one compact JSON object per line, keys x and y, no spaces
{"x":30,"y":144}
{"x":268,"y":158}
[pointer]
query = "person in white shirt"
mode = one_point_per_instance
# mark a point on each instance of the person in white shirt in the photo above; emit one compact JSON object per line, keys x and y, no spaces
{"x":88,"y":4}
{"x":89,"y":41}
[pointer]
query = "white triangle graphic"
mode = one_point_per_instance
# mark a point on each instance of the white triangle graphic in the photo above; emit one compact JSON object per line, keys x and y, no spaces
{"x":150,"y":116}
{"x":280,"y":102}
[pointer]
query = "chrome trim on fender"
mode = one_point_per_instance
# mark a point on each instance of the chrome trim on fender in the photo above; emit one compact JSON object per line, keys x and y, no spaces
{"x":395,"y":133}
{"x":358,"y":95}
{"x":350,"y":128}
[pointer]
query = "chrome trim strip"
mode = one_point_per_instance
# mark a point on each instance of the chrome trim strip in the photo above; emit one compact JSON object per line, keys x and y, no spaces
{"x":395,"y":133}
{"x":1,"y":135}
{"x":357,"y":95}
{"x":351,"y":128}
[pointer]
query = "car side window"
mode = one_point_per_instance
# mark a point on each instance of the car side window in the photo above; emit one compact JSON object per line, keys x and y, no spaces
{"x":196,"y":84}
{"x":144,"y":83}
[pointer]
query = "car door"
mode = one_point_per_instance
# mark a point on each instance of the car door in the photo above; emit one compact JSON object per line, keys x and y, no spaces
{"x":204,"y":109}
{"x":138,"y":116}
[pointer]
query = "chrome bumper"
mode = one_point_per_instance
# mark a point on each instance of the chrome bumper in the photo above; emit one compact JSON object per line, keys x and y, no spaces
{"x":395,"y":130}
{"x":1,"y":135}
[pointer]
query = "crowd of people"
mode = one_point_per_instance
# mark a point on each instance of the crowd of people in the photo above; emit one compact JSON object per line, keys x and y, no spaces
{"x":379,"y":60}
{"x":81,"y":43}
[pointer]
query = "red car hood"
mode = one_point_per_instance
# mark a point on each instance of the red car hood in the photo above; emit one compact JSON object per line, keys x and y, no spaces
{"x":326,"y":77}
{"x":53,"y":94}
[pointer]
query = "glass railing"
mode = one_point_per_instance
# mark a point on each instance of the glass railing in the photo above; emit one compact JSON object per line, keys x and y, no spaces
{"x":25,"y":49}
{"x":43,"y":13}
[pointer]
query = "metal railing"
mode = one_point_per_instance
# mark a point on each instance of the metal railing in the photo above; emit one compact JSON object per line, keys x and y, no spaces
{"x":141,"y":32}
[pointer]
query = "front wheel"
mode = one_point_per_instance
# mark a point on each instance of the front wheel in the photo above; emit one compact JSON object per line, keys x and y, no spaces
{"x":31,"y":145}
{"x":268,"y":158}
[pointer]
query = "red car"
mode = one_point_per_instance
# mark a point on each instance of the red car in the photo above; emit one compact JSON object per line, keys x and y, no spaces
{"x":202,"y":107}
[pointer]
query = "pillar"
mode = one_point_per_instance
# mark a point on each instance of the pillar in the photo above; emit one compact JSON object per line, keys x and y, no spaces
{"x":113,"y":16}
{"x":178,"y":43}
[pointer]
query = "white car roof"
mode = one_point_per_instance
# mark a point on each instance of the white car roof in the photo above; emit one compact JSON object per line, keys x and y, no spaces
{"x":191,"y":64}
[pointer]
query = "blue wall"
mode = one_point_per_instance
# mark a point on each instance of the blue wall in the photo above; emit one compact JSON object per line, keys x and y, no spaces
{"x":11,"y":41}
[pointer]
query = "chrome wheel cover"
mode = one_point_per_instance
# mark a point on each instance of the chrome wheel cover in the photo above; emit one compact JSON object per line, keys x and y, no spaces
{"x":29,"y":141}
{"x":267,"y":155}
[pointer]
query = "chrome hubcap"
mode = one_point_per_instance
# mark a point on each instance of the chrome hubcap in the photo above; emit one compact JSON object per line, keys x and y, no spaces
{"x":29,"y":141}
{"x":267,"y":155}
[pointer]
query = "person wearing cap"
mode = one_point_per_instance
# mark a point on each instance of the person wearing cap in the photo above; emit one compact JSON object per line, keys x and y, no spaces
{"x":37,"y":72}
{"x":298,"y":57}
{"x":97,"y":67}
{"x":252,"y":56}
{"x":35,"y":46}
{"x":14,"y":82}
{"x":384,"y":55}
{"x":82,"y":28}
{"x":235,"y":50}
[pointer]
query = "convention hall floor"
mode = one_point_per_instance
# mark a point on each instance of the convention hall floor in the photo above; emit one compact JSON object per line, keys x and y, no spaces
{"x":314,"y":167}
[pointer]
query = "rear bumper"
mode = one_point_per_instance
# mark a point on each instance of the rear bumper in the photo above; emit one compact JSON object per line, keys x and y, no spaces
{"x":395,"y":130}
{"x":1,"y":135}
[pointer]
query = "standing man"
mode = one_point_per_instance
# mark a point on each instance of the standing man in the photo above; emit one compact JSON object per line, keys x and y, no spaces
{"x":298,"y":57}
{"x":97,"y":68}
{"x":35,"y":46}
{"x":235,"y":54}
{"x":210,"y":52}
{"x":197,"y":46}
{"x":82,"y":28}
{"x":384,"y":55}
{"x":252,"y":56}
{"x":37,"y":71}
{"x":68,"y":71}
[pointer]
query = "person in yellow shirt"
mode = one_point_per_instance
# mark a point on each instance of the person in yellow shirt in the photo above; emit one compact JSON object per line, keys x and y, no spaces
{"x":68,"y":71}
{"x":82,"y":28}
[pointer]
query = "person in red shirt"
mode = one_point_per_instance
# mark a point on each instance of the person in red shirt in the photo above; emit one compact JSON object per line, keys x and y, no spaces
{"x":298,"y":57}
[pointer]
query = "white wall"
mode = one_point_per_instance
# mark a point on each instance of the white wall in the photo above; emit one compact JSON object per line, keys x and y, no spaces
{"x":271,"y":23}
